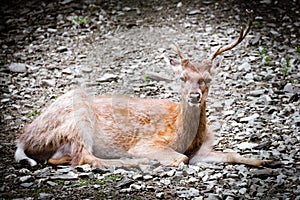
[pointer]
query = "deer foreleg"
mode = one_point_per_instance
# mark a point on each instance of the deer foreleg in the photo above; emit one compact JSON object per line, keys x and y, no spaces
{"x":229,"y":157}
{"x":165,"y":155}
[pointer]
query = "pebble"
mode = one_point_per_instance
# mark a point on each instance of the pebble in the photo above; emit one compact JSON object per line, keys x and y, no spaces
{"x":26,"y":178}
{"x":256,"y":93}
{"x":17,"y":67}
{"x":249,"y":118}
{"x":45,"y":196}
{"x":147,"y":177}
{"x":61,"y":49}
{"x":48,"y":83}
{"x":288,"y":88}
{"x":244,"y":67}
{"x":107,"y":78}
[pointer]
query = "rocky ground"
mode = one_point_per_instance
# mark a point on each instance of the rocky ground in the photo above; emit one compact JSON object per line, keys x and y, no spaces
{"x":49,"y":47}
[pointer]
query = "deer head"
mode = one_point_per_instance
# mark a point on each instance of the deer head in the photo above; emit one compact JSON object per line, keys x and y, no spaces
{"x":197,"y":76}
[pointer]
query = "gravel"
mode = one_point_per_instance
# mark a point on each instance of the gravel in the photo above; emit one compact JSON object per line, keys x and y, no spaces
{"x":50,"y":47}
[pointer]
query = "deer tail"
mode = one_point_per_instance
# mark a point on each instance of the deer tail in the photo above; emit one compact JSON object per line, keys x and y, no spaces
{"x":20,"y":155}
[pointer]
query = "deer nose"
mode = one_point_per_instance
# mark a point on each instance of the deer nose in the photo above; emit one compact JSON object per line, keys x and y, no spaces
{"x":195,"y":97}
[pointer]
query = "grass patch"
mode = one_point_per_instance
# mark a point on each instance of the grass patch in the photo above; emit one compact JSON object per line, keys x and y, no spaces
{"x":81,"y":20}
{"x":34,"y":113}
{"x":285,"y":71}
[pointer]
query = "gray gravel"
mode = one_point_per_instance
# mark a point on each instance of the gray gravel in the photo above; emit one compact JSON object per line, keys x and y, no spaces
{"x":48,"y":48}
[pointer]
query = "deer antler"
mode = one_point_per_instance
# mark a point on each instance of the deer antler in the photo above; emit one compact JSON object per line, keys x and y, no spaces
{"x":243,"y":34}
{"x":177,"y":50}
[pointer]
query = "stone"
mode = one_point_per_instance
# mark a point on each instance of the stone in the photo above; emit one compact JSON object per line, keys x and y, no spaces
{"x":62,"y":49}
{"x":249,"y":76}
{"x":256,"y":93}
{"x":244,"y":67}
{"x":17,"y":67}
{"x":45,"y":196}
{"x":26,"y":178}
{"x":147,"y":177}
{"x":26,"y":185}
{"x":107,"y":78}
{"x":193,"y":192}
{"x":250,"y":118}
{"x":84,"y":168}
{"x":194,"y":12}
{"x":67,"y":71}
{"x":48,"y":83}
{"x":87,"y":175}
{"x":51,"y":183}
{"x":288,"y":88}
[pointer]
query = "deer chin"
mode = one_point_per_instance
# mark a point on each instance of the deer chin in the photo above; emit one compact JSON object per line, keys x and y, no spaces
{"x":194,"y":103}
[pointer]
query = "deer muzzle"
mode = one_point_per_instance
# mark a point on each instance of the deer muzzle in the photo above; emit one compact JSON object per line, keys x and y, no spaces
{"x":195,"y":98}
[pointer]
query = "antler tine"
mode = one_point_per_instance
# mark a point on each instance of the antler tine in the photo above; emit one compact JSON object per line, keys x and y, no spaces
{"x":177,"y":50}
{"x":243,"y":34}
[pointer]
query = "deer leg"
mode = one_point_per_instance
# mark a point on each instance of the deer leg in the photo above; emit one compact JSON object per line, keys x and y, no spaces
{"x":229,"y":157}
{"x":65,"y":160}
{"x":165,"y":155}
{"x":126,"y":162}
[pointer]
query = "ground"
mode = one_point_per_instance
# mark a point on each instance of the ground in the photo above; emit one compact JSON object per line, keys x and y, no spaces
{"x":50,"y":47}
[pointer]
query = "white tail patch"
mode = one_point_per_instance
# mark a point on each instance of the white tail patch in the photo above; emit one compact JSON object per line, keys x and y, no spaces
{"x":20,"y":155}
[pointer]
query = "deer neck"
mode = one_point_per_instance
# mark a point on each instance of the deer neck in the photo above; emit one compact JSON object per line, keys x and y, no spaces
{"x":191,"y":128}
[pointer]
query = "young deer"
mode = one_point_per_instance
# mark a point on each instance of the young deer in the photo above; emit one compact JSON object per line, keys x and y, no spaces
{"x":123,"y":131}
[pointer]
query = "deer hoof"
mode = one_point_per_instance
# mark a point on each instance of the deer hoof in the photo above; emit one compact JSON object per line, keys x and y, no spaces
{"x":271,"y":163}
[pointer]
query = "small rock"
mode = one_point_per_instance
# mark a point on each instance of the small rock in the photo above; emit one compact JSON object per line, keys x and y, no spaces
{"x":256,"y":93}
{"x":5,"y":100}
{"x":246,"y":145}
{"x":193,"y":192}
{"x":51,"y":183}
{"x":86,"y":175}
{"x":45,"y":196}
{"x":61,"y":49}
{"x":249,"y":76}
{"x":52,"y":30}
{"x":250,"y":118}
{"x":48,"y":83}
{"x":194,"y":12}
{"x":107,"y":78}
{"x":243,"y":190}
{"x":84,"y":168}
{"x":256,"y":39}
{"x":170,"y":173}
{"x":159,"y":195}
{"x":125,"y":183}
{"x":17,"y":67}
{"x":165,"y":181}
{"x":26,"y":178}
{"x":86,"y":69}
{"x":137,"y":177}
{"x":67,"y":71}
{"x":136,"y":187}
{"x":147,"y":177}
{"x":288,"y":88}
{"x":26,"y":185}
{"x":244,"y":67}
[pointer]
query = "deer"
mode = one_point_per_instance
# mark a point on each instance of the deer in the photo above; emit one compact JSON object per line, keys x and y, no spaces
{"x":115,"y":130}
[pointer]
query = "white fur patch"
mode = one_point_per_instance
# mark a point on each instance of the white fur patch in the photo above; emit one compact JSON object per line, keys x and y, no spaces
{"x":20,"y":155}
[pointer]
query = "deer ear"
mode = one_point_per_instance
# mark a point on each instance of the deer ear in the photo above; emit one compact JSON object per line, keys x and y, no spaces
{"x":217,"y":62}
{"x":175,"y":64}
